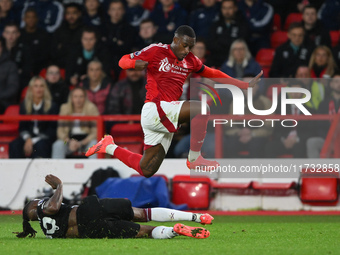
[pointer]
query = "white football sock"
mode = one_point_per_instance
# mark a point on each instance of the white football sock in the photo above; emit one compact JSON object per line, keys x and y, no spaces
{"x":110,"y":149}
{"x":163,"y":232}
{"x":193,"y":155}
{"x":164,"y":214}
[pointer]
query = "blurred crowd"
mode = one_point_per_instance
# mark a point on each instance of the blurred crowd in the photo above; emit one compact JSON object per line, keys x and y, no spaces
{"x":61,"y":57}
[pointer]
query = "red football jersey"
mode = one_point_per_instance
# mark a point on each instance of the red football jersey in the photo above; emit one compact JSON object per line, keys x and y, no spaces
{"x":165,"y":73}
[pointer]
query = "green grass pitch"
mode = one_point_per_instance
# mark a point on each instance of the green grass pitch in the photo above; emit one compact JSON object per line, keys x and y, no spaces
{"x":229,"y":235}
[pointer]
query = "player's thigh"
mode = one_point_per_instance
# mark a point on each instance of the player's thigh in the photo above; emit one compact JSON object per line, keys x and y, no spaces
{"x":189,"y":110}
{"x":117,"y":208}
{"x":121,"y":229}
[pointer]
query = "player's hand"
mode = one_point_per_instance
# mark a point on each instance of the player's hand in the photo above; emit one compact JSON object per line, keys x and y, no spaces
{"x":28,"y":147}
{"x":73,"y":145}
{"x":140,"y":65}
{"x":256,"y":79}
{"x":52,"y":180}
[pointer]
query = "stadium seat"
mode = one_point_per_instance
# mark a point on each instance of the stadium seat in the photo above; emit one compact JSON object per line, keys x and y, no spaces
{"x":149,"y":4}
{"x":4,"y":150}
{"x":10,"y":128}
{"x":275,"y":189}
{"x":292,"y":17}
{"x":277,"y":38}
{"x":195,"y":192}
{"x":265,"y":57}
{"x":319,"y":188}
{"x":129,"y":136}
{"x":335,"y":36}
{"x":23,"y":94}
{"x":276,"y":22}
{"x":43,"y":73}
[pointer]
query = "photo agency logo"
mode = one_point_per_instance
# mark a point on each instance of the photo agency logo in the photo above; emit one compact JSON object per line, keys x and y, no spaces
{"x":238,"y":104}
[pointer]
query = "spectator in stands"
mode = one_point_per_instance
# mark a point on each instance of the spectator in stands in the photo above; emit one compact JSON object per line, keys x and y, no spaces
{"x":127,"y":96}
{"x":120,"y":35}
{"x":19,"y":52}
{"x":223,"y":32}
{"x":135,"y":13}
{"x":168,"y":16}
{"x":6,"y":13}
{"x":291,"y":140}
{"x":329,"y":14}
{"x":36,"y":39}
{"x":321,"y":63}
{"x":249,"y":139}
{"x":50,"y":14}
{"x":329,"y":106}
{"x":36,"y":137}
{"x":75,"y":136}
{"x":314,"y":29}
{"x":291,"y":54}
{"x":97,"y":85}
{"x":147,"y":34}
{"x":316,"y":88}
{"x":67,"y":37}
{"x":9,"y":80}
{"x":200,"y":50}
{"x":259,"y":16}
{"x":90,"y":49}
{"x":202,"y":19}
{"x":240,"y":61}
{"x":59,"y":90}
{"x":93,"y":15}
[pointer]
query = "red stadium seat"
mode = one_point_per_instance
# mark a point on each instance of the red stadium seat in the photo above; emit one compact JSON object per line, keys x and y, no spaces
{"x":335,"y":36}
{"x":10,"y":128}
{"x":276,"y":22}
{"x":277,"y":38}
{"x":265,"y":57}
{"x":4,"y":150}
{"x":149,"y":4}
{"x":23,"y":94}
{"x":195,"y":192}
{"x":129,"y":136}
{"x":43,"y":73}
{"x":319,"y":188}
{"x":292,"y":17}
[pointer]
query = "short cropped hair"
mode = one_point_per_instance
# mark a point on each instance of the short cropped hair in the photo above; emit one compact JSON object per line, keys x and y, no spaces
{"x":295,"y":25}
{"x":74,"y":5}
{"x":185,"y":30}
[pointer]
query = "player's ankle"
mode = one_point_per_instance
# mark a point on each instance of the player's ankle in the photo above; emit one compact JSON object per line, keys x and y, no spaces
{"x":110,"y":149}
{"x":193,"y":155}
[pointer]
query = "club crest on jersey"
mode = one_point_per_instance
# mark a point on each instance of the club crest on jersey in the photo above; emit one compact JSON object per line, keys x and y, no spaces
{"x":165,"y":66}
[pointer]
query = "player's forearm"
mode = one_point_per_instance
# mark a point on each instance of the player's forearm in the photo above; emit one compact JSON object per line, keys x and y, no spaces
{"x":54,"y":203}
{"x":217,"y":74}
{"x":126,"y":62}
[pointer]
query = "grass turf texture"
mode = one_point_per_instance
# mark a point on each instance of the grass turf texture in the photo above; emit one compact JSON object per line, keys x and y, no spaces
{"x":229,"y":235}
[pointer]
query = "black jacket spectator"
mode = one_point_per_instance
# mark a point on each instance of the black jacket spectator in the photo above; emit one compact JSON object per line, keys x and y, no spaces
{"x":67,"y":37}
{"x":36,"y":137}
{"x":9,"y":80}
{"x":286,"y":60}
{"x":37,"y":41}
{"x":230,"y":27}
{"x":168,"y":21}
{"x":128,"y":95}
{"x":202,"y":19}
{"x":77,"y":62}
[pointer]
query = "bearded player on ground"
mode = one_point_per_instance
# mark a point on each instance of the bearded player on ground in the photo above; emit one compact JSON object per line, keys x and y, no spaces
{"x":167,"y":67}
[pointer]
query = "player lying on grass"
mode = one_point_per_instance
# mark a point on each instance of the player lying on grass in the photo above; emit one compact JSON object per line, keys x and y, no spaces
{"x":167,"y":67}
{"x":104,"y":218}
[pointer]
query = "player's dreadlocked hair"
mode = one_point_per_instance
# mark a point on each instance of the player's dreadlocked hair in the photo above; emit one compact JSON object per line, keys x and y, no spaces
{"x":28,"y":230}
{"x":185,"y":30}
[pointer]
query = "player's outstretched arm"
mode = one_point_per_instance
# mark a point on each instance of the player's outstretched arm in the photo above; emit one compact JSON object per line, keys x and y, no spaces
{"x":127,"y":63}
{"x":52,"y":206}
{"x":217,"y":74}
